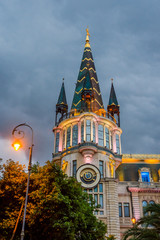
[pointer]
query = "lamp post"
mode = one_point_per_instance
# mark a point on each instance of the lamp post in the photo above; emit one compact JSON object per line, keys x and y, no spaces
{"x":17,"y":145}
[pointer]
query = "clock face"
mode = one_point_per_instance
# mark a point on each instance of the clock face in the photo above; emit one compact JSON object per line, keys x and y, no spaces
{"x":88,"y":175}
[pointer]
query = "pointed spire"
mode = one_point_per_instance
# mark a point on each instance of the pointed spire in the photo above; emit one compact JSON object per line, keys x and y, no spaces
{"x":62,"y":95}
{"x":112,"y":98}
{"x":87,"y":65}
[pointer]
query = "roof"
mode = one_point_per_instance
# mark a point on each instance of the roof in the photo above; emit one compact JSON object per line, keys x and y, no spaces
{"x":131,"y":163}
{"x":112,"y":98}
{"x":62,"y":96}
{"x":87,"y":64}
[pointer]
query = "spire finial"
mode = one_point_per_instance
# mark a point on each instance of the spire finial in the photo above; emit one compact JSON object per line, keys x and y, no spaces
{"x":112,"y":80}
{"x":63,"y":79}
{"x":87,"y":37}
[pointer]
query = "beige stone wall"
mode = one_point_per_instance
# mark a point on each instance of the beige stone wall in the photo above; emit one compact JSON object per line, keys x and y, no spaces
{"x":112,"y":211}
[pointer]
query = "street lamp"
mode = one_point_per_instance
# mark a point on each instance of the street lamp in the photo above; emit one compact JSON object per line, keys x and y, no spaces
{"x":17,"y":144}
{"x":133,"y":220}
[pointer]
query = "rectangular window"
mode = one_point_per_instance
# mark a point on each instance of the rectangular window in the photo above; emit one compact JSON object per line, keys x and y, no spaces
{"x":107,"y":137}
{"x":120,"y":210}
{"x":57,"y":142}
{"x":101,"y":213}
{"x":90,"y":190}
{"x":96,"y":189}
{"x":74,"y":167}
{"x":101,"y":168}
{"x":96,"y":199}
{"x":101,"y":200}
{"x":88,"y":130}
{"x":145,"y":176}
{"x":117,"y":143}
{"x":126,"y":209}
{"x":68,"y":136}
{"x":101,"y":187}
{"x":100,"y":135}
{"x":82,"y":131}
{"x":75,"y":135}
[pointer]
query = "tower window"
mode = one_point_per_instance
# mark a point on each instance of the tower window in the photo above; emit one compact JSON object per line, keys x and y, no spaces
{"x":88,"y":130}
{"x":117,"y":143}
{"x":68,"y":136}
{"x":75,"y":135}
{"x":120,"y":210}
{"x":126,"y":209}
{"x":74,"y":167}
{"x":64,"y":134}
{"x":82,"y":131}
{"x":107,"y":137}
{"x":57,"y":142}
{"x":101,"y":169}
{"x":94,"y":132}
{"x":111,"y":141}
{"x":101,"y":200}
{"x":100,"y":135}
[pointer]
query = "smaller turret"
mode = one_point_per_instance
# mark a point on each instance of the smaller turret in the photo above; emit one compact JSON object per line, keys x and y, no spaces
{"x":113,"y":109}
{"x":62,"y":106}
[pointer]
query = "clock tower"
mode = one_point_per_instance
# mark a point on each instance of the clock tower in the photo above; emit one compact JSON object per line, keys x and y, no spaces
{"x":87,"y":142}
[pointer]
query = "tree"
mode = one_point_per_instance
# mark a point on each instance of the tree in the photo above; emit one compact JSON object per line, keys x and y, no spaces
{"x":148,"y":227}
{"x":12,"y":194}
{"x":57,"y":207}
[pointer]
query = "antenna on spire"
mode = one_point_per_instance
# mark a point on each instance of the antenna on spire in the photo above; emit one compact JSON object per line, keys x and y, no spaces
{"x":63,"y":79}
{"x":112,"y":80}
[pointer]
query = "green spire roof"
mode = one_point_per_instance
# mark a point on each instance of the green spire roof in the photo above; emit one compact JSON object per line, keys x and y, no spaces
{"x":62,"y":96}
{"x":87,"y":82}
{"x":113,"y":98}
{"x":87,"y":65}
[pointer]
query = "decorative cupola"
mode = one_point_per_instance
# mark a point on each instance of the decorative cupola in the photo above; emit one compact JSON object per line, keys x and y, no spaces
{"x":87,"y":77}
{"x":113,"y":107}
{"x":61,"y":106}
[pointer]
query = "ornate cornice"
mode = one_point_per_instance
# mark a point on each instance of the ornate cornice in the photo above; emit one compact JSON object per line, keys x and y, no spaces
{"x":144,"y":190}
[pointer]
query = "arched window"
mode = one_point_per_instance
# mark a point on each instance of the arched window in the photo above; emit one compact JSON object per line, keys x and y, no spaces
{"x":82,"y":131}
{"x":107,"y":137}
{"x":117,"y":143}
{"x":144,"y":204}
{"x":57,"y":142}
{"x":75,"y":135}
{"x":94,"y":132}
{"x":88,"y":130}
{"x":68,"y":136}
{"x":151,"y":202}
{"x":100,"y":135}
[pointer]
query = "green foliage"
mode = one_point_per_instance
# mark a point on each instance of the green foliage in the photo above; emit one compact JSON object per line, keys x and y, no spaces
{"x":57,"y":207}
{"x":148,"y":227}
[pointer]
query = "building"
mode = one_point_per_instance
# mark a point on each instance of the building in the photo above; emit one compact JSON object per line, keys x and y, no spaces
{"x":88,"y":146}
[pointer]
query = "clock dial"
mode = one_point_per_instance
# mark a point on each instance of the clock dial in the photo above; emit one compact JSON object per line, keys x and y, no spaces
{"x":88,"y":175}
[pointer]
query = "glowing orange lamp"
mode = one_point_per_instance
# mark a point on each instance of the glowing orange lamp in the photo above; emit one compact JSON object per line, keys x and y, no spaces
{"x":133,"y":220}
{"x":16,"y":145}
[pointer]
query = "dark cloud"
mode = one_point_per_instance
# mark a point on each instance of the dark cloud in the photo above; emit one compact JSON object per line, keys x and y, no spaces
{"x":42,"y":41}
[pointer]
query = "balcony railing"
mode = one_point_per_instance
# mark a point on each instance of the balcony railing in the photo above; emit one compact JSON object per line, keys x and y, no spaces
{"x":76,"y":113}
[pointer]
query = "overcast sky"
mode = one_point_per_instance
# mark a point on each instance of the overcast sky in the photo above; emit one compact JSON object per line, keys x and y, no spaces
{"x":42,"y":41}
